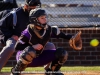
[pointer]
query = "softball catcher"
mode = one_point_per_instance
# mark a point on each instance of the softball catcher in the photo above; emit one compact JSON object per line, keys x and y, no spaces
{"x":33,"y":42}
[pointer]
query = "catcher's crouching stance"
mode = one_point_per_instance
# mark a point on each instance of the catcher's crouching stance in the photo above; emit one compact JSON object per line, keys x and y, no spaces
{"x":37,"y":51}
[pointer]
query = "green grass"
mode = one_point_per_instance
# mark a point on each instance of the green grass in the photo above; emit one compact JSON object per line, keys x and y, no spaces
{"x":67,"y":68}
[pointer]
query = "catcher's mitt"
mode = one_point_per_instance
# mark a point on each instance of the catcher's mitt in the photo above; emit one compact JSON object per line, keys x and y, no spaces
{"x":75,"y":42}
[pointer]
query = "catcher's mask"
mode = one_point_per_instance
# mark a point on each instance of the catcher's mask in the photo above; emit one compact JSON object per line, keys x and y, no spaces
{"x":33,"y":17}
{"x":33,"y":2}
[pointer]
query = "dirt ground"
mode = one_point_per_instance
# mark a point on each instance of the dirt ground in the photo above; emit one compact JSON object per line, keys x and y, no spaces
{"x":67,"y":73}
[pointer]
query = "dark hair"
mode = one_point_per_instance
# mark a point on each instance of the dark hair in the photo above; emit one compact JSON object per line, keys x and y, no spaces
{"x":33,"y":2}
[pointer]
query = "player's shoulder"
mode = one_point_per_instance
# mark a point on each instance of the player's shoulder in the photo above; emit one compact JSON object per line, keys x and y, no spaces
{"x":19,"y":9}
{"x":55,"y":30}
{"x":55,"y":27}
{"x":25,"y":33}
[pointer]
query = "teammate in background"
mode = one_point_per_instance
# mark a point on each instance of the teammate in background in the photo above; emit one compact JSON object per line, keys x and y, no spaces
{"x":34,"y":50}
{"x":10,"y":33}
{"x":7,"y":4}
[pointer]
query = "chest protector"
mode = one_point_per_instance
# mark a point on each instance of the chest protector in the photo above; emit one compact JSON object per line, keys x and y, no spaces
{"x":41,"y":37}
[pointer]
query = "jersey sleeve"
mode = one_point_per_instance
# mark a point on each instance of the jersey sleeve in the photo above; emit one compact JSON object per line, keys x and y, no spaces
{"x":56,"y":33}
{"x":23,"y":41}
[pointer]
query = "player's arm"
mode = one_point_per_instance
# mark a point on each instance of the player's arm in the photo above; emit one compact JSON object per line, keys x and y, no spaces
{"x":22,"y":42}
{"x":58,"y":34}
{"x":6,"y":25}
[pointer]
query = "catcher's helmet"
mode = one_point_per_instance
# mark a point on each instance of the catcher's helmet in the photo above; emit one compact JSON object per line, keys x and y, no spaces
{"x":34,"y":14}
{"x":33,"y":2}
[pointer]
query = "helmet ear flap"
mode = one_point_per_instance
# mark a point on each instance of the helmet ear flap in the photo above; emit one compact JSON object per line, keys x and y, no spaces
{"x":33,"y":20}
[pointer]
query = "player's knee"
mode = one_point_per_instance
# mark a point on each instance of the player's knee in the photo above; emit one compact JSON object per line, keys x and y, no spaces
{"x":62,"y":55}
{"x":49,"y":46}
{"x":28,"y":55}
{"x":9,"y":48}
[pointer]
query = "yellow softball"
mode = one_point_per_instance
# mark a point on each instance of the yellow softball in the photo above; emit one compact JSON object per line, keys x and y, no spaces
{"x":94,"y":42}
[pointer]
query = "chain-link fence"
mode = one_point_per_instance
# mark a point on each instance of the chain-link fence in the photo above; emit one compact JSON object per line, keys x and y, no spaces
{"x":71,"y":13}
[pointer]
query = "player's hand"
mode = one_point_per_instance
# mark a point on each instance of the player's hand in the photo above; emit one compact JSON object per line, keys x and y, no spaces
{"x":76,"y":41}
{"x":37,"y":47}
{"x":15,"y":37}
